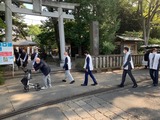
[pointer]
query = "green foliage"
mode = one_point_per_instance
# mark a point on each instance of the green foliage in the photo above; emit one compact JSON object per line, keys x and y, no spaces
{"x":154,"y":41}
{"x":103,"y":11}
{"x":19,"y":27}
{"x":129,"y":20}
{"x":155,"y":32}
{"x":2,"y":25}
{"x":108,"y":47}
{"x":34,"y":30}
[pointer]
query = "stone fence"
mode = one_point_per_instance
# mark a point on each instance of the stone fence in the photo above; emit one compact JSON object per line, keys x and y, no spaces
{"x":108,"y":61}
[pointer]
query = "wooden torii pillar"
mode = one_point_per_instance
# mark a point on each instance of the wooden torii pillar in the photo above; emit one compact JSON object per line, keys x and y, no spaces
{"x":37,"y":10}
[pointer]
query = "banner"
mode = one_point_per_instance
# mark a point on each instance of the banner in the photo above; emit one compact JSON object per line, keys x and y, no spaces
{"x":6,"y":53}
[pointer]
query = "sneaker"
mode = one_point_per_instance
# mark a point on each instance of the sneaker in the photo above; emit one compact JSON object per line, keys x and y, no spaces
{"x":43,"y":88}
{"x":120,"y":86}
{"x":72,"y":81}
{"x":50,"y":86}
{"x":155,"y":85}
{"x":134,"y":86}
{"x":94,"y":84}
{"x":63,"y":80}
{"x":83,"y":85}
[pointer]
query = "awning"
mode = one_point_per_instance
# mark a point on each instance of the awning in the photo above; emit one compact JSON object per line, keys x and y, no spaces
{"x":124,"y":38}
{"x":24,"y":43}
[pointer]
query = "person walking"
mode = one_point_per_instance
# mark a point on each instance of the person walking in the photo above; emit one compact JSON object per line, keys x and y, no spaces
{"x":34,"y":55}
{"x":154,"y":59}
{"x":45,"y":69}
{"x":17,"y":58}
{"x":88,"y":66}
{"x":24,"y":58}
{"x":127,"y":67}
{"x":67,"y":67}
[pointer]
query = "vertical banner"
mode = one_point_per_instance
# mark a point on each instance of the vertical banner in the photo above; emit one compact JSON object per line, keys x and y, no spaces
{"x":6,"y":53}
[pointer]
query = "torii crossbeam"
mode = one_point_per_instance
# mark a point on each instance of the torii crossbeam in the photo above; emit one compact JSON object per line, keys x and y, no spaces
{"x":37,"y":10}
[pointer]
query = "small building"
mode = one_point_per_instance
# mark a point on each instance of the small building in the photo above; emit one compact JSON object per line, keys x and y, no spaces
{"x":131,"y":42}
{"x":28,"y":45}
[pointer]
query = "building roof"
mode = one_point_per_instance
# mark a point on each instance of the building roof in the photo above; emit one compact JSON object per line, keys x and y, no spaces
{"x":135,"y":39}
{"x":151,"y":46}
{"x":24,"y":43}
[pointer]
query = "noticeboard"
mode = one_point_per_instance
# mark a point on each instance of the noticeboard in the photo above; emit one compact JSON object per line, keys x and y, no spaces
{"x":6,"y":53}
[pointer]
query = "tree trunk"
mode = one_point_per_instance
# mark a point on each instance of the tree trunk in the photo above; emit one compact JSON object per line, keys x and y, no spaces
{"x":144,"y":31}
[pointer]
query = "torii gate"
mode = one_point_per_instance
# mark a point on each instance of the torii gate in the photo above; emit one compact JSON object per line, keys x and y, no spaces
{"x":37,"y":10}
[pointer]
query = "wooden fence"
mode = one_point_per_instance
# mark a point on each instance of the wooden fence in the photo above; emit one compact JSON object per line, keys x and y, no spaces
{"x":108,"y":61}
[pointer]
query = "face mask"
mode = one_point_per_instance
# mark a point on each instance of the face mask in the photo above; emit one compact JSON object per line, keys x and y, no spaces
{"x":124,"y":52}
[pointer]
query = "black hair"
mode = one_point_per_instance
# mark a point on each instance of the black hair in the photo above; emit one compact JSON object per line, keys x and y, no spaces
{"x":126,"y":48}
{"x":86,"y":52}
{"x":154,"y":49}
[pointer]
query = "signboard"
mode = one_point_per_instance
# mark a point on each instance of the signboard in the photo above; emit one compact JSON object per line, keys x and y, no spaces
{"x":6,"y":53}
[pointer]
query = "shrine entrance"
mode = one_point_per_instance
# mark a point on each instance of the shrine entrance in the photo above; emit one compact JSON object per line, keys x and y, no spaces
{"x":37,"y":10}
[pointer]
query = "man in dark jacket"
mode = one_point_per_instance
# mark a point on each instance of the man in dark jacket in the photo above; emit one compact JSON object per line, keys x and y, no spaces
{"x":17,"y":58}
{"x":45,"y":69}
{"x":127,"y":67}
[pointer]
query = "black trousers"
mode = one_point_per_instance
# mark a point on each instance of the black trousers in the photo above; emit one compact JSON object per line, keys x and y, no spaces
{"x":130,"y":75}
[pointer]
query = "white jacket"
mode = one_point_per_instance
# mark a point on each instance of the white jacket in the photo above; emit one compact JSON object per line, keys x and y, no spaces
{"x":90,"y":62}
{"x":125,"y":60}
{"x":156,"y":61}
{"x":69,"y":62}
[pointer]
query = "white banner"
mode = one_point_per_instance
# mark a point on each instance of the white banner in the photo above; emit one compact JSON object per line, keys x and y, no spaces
{"x":6,"y":53}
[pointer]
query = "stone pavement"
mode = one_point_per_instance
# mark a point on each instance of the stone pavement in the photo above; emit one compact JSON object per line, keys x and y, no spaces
{"x":142,"y":103}
{"x":14,"y":99}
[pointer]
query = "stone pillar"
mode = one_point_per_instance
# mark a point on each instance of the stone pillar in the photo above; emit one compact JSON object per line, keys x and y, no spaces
{"x":61,"y":35}
{"x":8,"y":20}
{"x":37,"y":6}
{"x":94,"y":38}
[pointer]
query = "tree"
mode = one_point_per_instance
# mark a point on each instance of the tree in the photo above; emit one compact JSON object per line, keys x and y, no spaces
{"x":129,"y":20}
{"x":147,"y":10}
{"x":103,"y":11}
{"x":19,"y":27}
{"x":34,"y":31}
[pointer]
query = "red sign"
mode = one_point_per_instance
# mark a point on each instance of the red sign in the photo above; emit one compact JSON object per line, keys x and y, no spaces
{"x":5,"y":54}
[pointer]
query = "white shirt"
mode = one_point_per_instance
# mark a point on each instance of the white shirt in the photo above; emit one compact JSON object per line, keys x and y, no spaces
{"x":156,"y":61}
{"x":90,"y":62}
{"x":151,"y":55}
{"x":69,"y":62}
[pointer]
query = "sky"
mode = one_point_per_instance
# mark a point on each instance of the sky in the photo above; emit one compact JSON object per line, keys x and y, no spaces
{"x":32,"y":20}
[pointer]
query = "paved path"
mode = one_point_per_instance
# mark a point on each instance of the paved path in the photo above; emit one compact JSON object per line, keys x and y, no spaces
{"x":13,"y":98}
{"x":142,"y":103}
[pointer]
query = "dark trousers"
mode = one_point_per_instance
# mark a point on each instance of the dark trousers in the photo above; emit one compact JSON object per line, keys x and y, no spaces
{"x":86,"y":77}
{"x":130,"y":75}
{"x":154,"y":75}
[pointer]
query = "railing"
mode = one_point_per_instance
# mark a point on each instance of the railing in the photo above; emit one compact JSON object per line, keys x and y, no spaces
{"x":114,"y":61}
